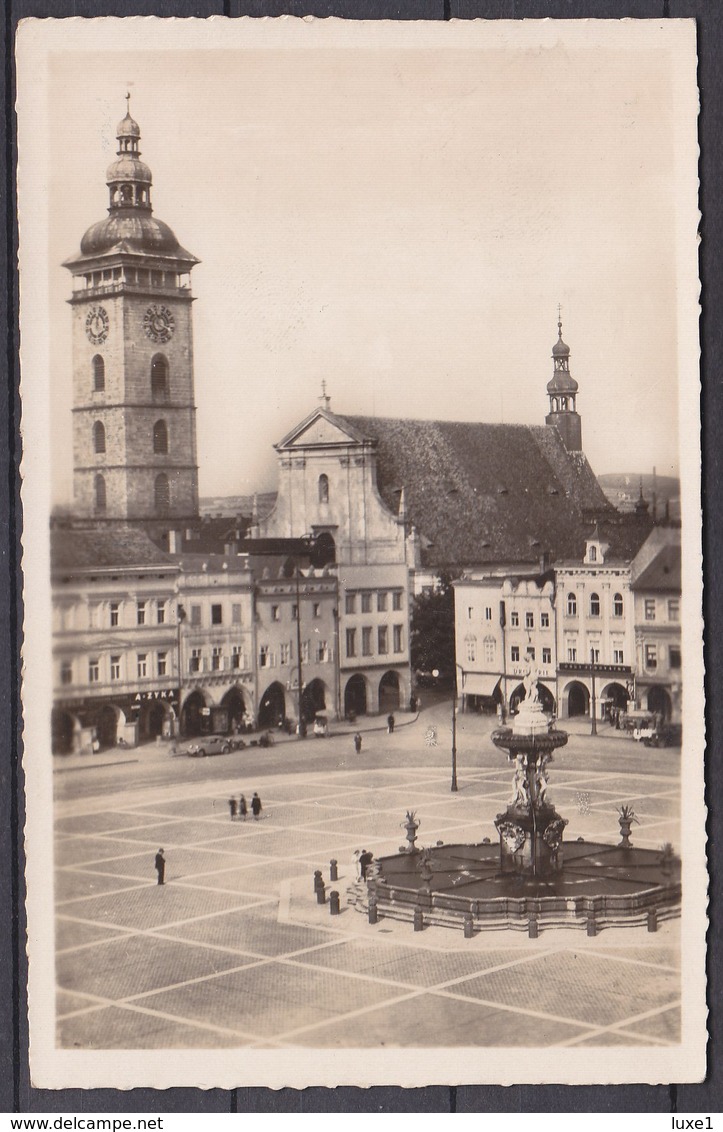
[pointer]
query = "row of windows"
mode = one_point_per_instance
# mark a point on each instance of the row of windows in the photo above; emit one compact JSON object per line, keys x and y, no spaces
{"x":382,"y":640}
{"x":652,"y":655}
{"x":217,"y":614}
{"x":594,"y":605}
{"x":160,"y":376}
{"x":366,"y":597}
{"x":146,"y":665}
{"x":197,"y":662}
{"x":530,"y":654}
{"x":276,"y":611}
{"x":323,"y":654}
{"x":651,"y":609}
{"x":161,"y":494}
{"x":160,"y":438}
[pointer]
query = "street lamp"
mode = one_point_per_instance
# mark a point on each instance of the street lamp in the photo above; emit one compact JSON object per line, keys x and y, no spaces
{"x":302,"y":726}
{"x":435,"y":673}
{"x":593,"y":726}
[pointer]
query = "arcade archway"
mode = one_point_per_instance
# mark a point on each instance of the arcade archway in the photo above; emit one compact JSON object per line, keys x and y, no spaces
{"x":154,"y":714}
{"x":355,"y":696}
{"x":192,"y":715}
{"x":314,"y":699}
{"x":107,"y":726}
{"x":64,"y":727}
{"x":235,"y":706}
{"x":578,"y":699}
{"x":389,"y":693}
{"x":547,"y":700}
{"x":272,"y":709}
{"x":659,"y":701}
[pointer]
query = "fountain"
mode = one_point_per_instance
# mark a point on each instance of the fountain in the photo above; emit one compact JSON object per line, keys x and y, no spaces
{"x":530,"y":879}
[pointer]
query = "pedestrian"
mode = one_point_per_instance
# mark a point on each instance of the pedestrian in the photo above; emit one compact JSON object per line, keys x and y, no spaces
{"x":357,"y":863}
{"x":358,"y":743}
{"x":232,"y":808}
{"x":161,"y":867}
{"x":365,"y":861}
{"x":390,"y":724}
{"x":256,"y":806}
{"x":242,"y":808}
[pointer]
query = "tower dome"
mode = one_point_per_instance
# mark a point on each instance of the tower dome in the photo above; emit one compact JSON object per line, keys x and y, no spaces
{"x":562,"y":392}
{"x":562,"y":380}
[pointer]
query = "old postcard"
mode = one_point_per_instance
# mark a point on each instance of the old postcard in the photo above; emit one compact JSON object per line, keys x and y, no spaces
{"x":363,"y":668}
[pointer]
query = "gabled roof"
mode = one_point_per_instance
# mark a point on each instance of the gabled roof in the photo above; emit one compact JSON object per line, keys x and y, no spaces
{"x":320,"y":429}
{"x":662,"y":575}
{"x":120,"y":546}
{"x":483,"y":493}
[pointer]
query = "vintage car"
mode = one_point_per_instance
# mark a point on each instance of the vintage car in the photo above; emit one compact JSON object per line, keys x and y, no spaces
{"x":321,"y":725}
{"x":209,"y":745}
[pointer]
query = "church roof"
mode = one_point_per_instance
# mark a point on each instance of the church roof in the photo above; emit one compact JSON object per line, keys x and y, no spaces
{"x":483,"y":493}
{"x":117,"y":546}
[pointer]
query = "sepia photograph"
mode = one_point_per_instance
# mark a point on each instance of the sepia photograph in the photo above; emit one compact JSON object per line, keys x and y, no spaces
{"x":362,"y":552}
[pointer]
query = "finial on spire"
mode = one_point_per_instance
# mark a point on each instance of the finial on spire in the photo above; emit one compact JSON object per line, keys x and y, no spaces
{"x":559,"y":321}
{"x":128,"y":101}
{"x":325,"y":398}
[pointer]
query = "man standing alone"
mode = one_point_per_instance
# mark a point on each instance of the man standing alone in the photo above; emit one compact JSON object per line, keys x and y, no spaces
{"x":161,"y":866}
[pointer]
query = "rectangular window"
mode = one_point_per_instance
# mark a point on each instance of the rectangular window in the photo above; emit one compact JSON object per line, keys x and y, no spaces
{"x":351,"y":642}
{"x":350,"y":603}
{"x":366,"y":603}
{"x":397,"y":638}
{"x":514,"y":620}
{"x":488,"y":613}
{"x":595,"y":655}
{"x":66,"y":672}
{"x":305,"y":652}
{"x":275,"y":615}
{"x":470,"y":612}
{"x":236,"y":657}
{"x":544,"y":620}
{"x":195,"y":614}
{"x":382,"y":640}
{"x":650,"y":609}
{"x":216,"y":654}
{"x":317,"y":609}
{"x":618,"y":656}
{"x":162,"y":662}
{"x":141,"y":613}
{"x":651,"y":657}
{"x":674,"y":655}
{"x":160,"y":613}
{"x":93,"y":616}
{"x":217,"y":615}
{"x":322,"y":652}
{"x":264,"y":656}
{"x":114,"y":614}
{"x":94,"y":671}
{"x":673,"y":609}
{"x":515,"y":654}
{"x":547,"y":656}
{"x":115,"y":663}
{"x":397,"y":600}
{"x":142,"y":659}
{"x":490,"y":649}
{"x":194,"y":663}
{"x":284,"y":653}
{"x":530,"y":652}
{"x":382,"y":602}
{"x":294,"y":613}
{"x":366,"y":641}
{"x":471,"y":643}
{"x":236,"y":614}
{"x":529,"y":621}
{"x":571,"y":654}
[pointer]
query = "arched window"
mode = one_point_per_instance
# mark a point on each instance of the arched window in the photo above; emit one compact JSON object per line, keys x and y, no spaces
{"x":471,"y":642}
{"x":594,"y":605}
{"x":160,"y":438}
{"x":571,"y":605}
{"x":163,"y":495}
{"x":98,"y":374}
{"x":100,"y":501}
{"x":618,"y":605}
{"x":159,"y":378}
{"x":490,"y":649}
{"x":99,"y":436}
{"x":593,"y":554}
{"x":323,"y":489}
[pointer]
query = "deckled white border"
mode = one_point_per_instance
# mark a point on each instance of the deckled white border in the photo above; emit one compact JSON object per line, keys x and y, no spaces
{"x":53,"y":1068}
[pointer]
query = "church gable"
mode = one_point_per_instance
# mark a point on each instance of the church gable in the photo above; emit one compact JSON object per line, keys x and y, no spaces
{"x":321,"y":429}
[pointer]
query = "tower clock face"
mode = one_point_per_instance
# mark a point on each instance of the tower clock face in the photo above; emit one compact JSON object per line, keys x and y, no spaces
{"x":96,"y":325}
{"x":158,"y":323}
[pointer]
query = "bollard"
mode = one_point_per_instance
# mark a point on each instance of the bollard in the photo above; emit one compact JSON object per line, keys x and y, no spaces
{"x":373,"y":913}
{"x":468,"y":925}
{"x":418,"y":920}
{"x":333,"y":871}
{"x":318,"y":880}
{"x":321,"y":894}
{"x":591,"y":925}
{"x":334,"y":902}
{"x":533,"y":929}
{"x":653,"y":920}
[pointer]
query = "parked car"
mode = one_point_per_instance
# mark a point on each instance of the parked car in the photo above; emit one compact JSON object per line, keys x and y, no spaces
{"x":209,"y":745}
{"x":666,"y":735}
{"x":321,"y":726}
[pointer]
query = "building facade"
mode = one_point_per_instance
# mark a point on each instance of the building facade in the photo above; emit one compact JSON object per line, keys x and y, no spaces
{"x":656,"y":586}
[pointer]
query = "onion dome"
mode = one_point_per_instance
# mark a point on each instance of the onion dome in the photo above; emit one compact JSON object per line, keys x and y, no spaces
{"x":562,"y":381}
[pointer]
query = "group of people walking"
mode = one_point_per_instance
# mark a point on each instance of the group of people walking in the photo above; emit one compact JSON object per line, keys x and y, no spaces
{"x":241,"y":808}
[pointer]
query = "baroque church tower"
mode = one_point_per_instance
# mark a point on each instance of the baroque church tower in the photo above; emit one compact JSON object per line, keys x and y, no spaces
{"x":562,"y":391}
{"x":134,"y":417}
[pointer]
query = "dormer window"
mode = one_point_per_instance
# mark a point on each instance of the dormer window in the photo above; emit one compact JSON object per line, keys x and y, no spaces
{"x":593,"y":554}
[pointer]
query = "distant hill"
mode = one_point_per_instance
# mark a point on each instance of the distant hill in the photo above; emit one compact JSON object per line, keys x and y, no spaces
{"x":623,"y":491}
{"x":233,"y":505}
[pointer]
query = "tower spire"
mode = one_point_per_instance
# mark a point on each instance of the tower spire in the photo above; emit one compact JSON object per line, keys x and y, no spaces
{"x":562,"y":391}
{"x":325,"y":398}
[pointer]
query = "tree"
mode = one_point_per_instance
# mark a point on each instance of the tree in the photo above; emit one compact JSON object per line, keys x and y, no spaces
{"x":432,"y":630}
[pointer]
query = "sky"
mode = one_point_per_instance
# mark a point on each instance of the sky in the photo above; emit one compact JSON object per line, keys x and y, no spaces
{"x":398,"y":221}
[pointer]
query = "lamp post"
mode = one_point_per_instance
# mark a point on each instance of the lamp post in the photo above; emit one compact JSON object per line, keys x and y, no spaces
{"x":593,"y":726}
{"x":302,"y":726}
{"x":454,"y":786}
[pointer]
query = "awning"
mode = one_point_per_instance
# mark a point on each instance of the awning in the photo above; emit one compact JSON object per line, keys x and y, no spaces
{"x":480,"y":683}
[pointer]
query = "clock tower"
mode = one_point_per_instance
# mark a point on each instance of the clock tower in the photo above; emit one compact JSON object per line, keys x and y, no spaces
{"x":134,"y":417}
